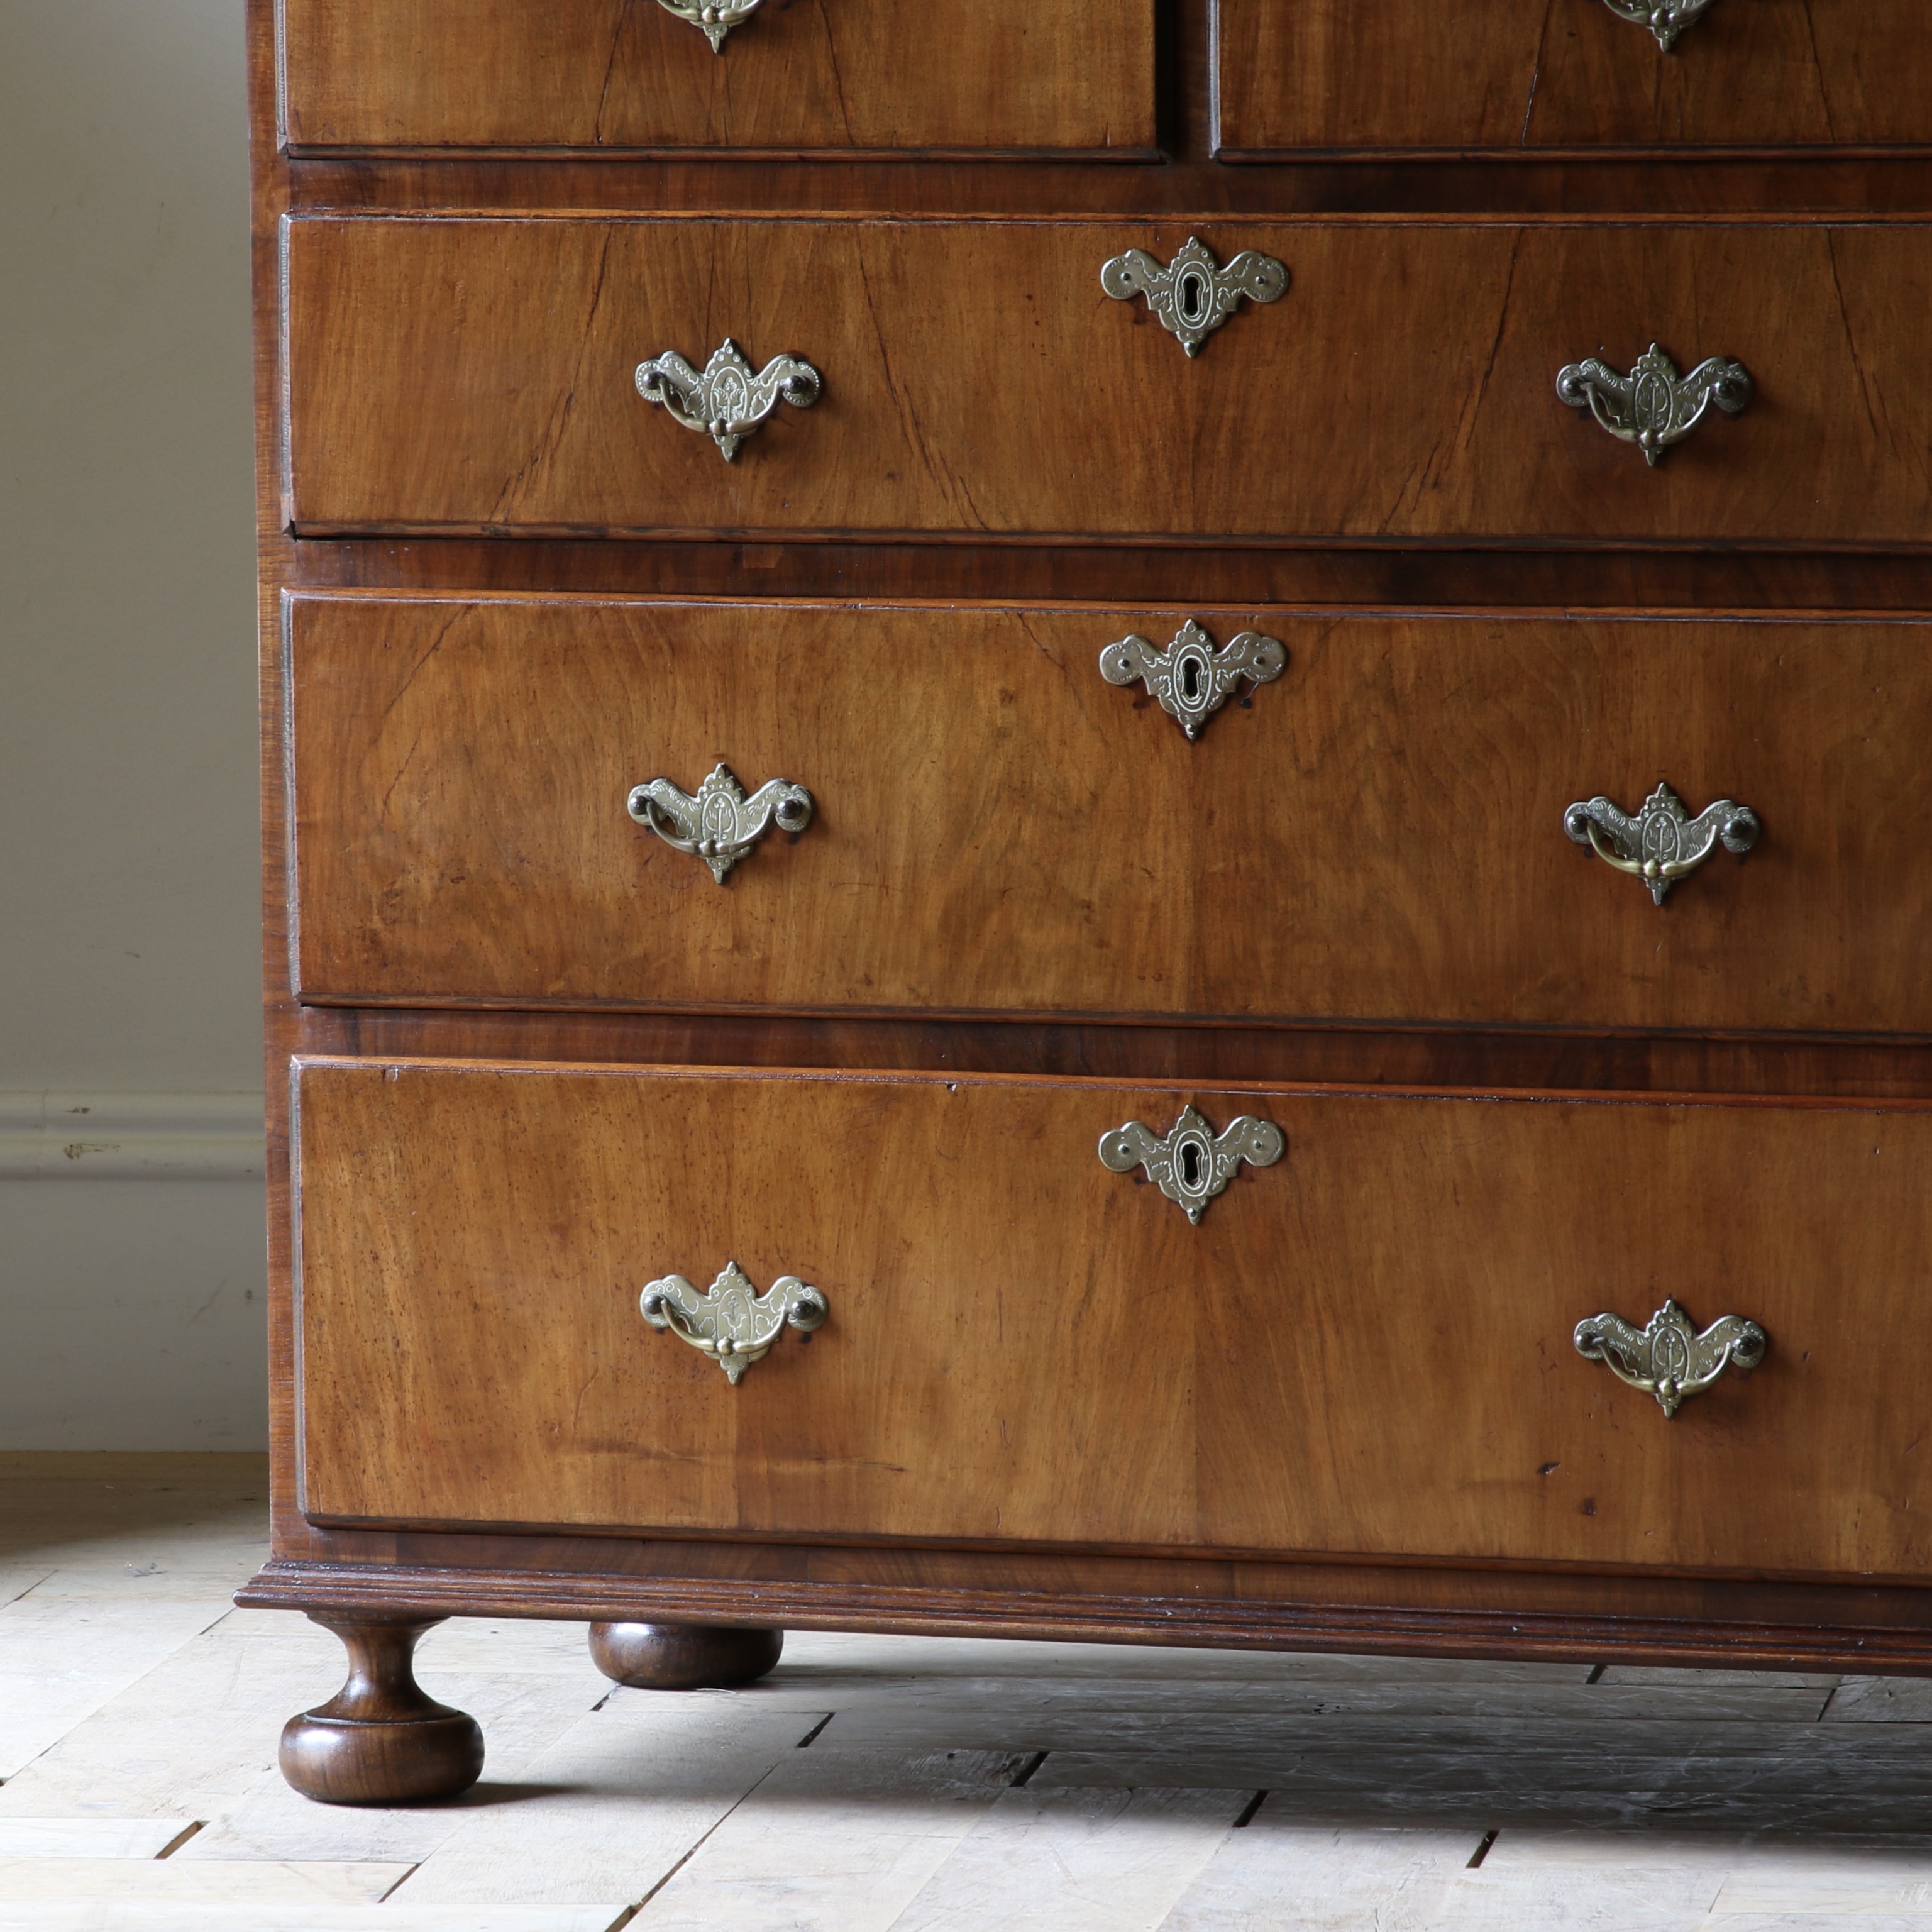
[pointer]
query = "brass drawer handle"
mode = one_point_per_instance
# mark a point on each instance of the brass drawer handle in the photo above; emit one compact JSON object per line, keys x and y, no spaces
{"x":720,"y":824}
{"x":1663,"y":842}
{"x":1190,"y":679}
{"x":1193,"y":295}
{"x":731,"y":1321}
{"x":726,"y":400}
{"x":1653,"y":406}
{"x":1194,"y":1163}
{"x":1666,"y":19}
{"x":716,"y":17}
{"x":1670,"y":1359}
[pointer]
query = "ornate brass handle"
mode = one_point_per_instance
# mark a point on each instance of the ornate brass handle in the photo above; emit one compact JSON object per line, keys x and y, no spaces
{"x":1663,"y":842}
{"x":1191,"y":680}
{"x":727,"y":399}
{"x":717,"y":17}
{"x":1666,"y":19}
{"x":1193,"y":1164}
{"x":1653,"y":406}
{"x":1193,"y":295}
{"x":720,"y":824}
{"x":1670,"y":1359}
{"x":731,"y":1321}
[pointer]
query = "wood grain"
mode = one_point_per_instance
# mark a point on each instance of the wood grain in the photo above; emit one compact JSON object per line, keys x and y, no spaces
{"x":381,"y":1739}
{"x":683,"y":1656}
{"x":476,"y":375}
{"x":787,"y":1855}
{"x":999,"y":829}
{"x":1704,"y":582}
{"x":1788,"y":1065}
{"x":836,"y":1840}
{"x":1364,"y":1350}
{"x":606,"y":76}
{"x":1316,"y":1607}
{"x":612,"y":1808}
{"x":1075,"y":1861}
{"x":99,"y":1890}
{"x":994,"y":1587}
{"x":1398,"y":1880}
{"x":431,"y":383}
{"x":1192,"y":186}
{"x":54,"y":1675}
{"x":1767,"y":75}
{"x":1158,"y":1716}
{"x":89,"y":1838}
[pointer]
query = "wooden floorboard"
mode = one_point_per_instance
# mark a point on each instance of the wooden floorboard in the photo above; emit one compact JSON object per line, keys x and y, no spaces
{"x":609,"y":1811}
{"x":115,"y":1915}
{"x":1278,"y":1873}
{"x":834,"y":1841}
{"x":1074,"y":1861}
{"x":63,"y":1658}
{"x":878,"y":1784}
{"x":89,"y":1838}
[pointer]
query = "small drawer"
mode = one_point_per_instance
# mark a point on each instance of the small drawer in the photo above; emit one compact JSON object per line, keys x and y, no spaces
{"x":975,"y":379}
{"x":1367,"y":1346}
{"x":1379,"y":833}
{"x":588,"y":76}
{"x":1582,"y":76}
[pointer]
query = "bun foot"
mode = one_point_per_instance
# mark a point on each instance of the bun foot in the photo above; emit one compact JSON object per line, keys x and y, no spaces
{"x":380,"y":1740}
{"x":682,"y":1657}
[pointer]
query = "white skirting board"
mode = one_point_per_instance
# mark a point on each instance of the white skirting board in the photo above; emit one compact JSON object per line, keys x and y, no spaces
{"x":131,"y":1136}
{"x":134,"y":1314}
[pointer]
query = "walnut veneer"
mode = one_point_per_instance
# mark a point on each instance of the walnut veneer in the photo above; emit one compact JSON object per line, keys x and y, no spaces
{"x":1364,"y":1350}
{"x":1347,"y":410}
{"x":526,"y":1057}
{"x":1763,"y":76}
{"x":602,"y":76}
{"x":1321,"y":852}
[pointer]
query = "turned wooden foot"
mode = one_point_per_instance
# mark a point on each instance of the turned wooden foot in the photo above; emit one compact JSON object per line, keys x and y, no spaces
{"x":682,"y":1657}
{"x":379,"y":1740}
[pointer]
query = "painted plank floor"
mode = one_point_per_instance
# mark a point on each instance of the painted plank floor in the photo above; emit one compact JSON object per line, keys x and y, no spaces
{"x":890,"y":1784}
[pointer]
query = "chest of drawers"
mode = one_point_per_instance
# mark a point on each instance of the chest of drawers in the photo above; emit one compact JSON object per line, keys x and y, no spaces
{"x":1120,"y":838}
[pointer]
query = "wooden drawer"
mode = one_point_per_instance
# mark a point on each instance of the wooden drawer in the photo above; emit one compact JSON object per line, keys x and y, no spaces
{"x":588,"y":76}
{"x":1390,"y":75}
{"x":999,"y":829}
{"x":1366,"y":1348}
{"x":478,"y":375}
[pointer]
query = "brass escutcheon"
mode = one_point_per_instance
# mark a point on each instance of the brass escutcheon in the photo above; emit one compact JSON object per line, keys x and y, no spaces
{"x":1193,"y":1164}
{"x":1193,"y":295}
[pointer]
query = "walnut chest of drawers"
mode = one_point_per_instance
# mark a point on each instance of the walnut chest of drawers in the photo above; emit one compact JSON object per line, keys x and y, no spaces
{"x":1098,"y":821}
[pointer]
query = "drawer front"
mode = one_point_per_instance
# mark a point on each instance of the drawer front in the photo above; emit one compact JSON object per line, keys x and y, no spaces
{"x":1366,"y":1348}
{"x":480,"y":375}
{"x":1388,"y":76}
{"x":589,"y":76}
{"x":998,"y":829}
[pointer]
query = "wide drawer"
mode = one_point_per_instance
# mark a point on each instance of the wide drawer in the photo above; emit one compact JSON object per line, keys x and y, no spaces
{"x":1380,"y":835}
{"x":1365,"y":1348}
{"x":590,"y":77}
{"x":481,"y":375}
{"x":1393,"y":75}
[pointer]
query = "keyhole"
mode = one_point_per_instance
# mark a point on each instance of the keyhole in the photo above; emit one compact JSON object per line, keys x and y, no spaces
{"x":1190,"y":679}
{"x":1192,"y":297}
{"x":1190,"y":1165}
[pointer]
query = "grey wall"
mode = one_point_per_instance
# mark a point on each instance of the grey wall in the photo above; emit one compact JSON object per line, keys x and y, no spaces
{"x":131,"y":1309}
